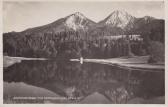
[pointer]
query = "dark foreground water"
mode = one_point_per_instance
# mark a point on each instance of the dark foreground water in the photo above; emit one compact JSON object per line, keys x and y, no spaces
{"x":72,"y":82}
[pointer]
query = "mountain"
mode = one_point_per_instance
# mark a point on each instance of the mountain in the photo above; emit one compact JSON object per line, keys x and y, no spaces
{"x":117,"y":23}
{"x":121,"y":23}
{"x":73,"y":22}
{"x":78,"y":21}
{"x":138,"y":22}
{"x":149,"y":26}
{"x":120,"y":19}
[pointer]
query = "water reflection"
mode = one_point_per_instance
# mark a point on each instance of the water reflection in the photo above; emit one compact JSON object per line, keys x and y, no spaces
{"x":80,"y":81}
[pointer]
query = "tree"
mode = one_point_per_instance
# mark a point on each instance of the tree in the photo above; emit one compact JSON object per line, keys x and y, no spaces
{"x":156,"y":51}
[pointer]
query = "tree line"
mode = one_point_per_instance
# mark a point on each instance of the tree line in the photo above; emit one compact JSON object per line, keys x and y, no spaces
{"x":72,"y":44}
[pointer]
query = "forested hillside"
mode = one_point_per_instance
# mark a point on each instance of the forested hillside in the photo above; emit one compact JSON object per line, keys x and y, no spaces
{"x":71,"y":45}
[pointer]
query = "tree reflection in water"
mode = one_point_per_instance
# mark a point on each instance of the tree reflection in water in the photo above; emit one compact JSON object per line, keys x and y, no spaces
{"x":71,"y":79}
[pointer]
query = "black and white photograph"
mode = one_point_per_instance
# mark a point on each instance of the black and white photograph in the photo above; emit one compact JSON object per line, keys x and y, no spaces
{"x":81,"y":52}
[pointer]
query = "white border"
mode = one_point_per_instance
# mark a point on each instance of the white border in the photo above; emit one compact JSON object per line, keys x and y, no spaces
{"x":82,"y":105}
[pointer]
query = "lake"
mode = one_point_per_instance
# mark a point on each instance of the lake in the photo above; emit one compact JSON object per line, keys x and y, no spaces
{"x":72,"y":82}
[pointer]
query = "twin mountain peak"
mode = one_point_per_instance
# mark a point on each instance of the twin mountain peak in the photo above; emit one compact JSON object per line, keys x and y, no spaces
{"x":77,"y":21}
{"x":116,"y":19}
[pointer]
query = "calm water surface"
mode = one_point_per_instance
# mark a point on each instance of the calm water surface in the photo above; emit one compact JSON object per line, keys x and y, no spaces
{"x":72,"y":82}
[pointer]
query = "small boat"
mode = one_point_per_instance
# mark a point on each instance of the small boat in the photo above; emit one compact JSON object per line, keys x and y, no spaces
{"x":81,"y":60}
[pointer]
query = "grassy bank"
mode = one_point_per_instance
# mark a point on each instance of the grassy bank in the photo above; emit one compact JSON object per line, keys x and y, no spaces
{"x":140,"y":62}
{"x":8,"y":61}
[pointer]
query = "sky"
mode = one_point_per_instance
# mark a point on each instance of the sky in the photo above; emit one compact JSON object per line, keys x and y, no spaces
{"x":18,"y":16}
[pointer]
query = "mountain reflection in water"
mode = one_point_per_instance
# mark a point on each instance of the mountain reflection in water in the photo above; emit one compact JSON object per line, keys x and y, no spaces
{"x":87,"y":82}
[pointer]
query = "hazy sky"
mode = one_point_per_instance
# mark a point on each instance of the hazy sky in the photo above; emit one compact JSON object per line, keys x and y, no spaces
{"x":18,"y":16}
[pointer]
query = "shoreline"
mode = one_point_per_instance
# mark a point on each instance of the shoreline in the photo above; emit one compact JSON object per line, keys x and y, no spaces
{"x":8,"y":60}
{"x":137,"y":62}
